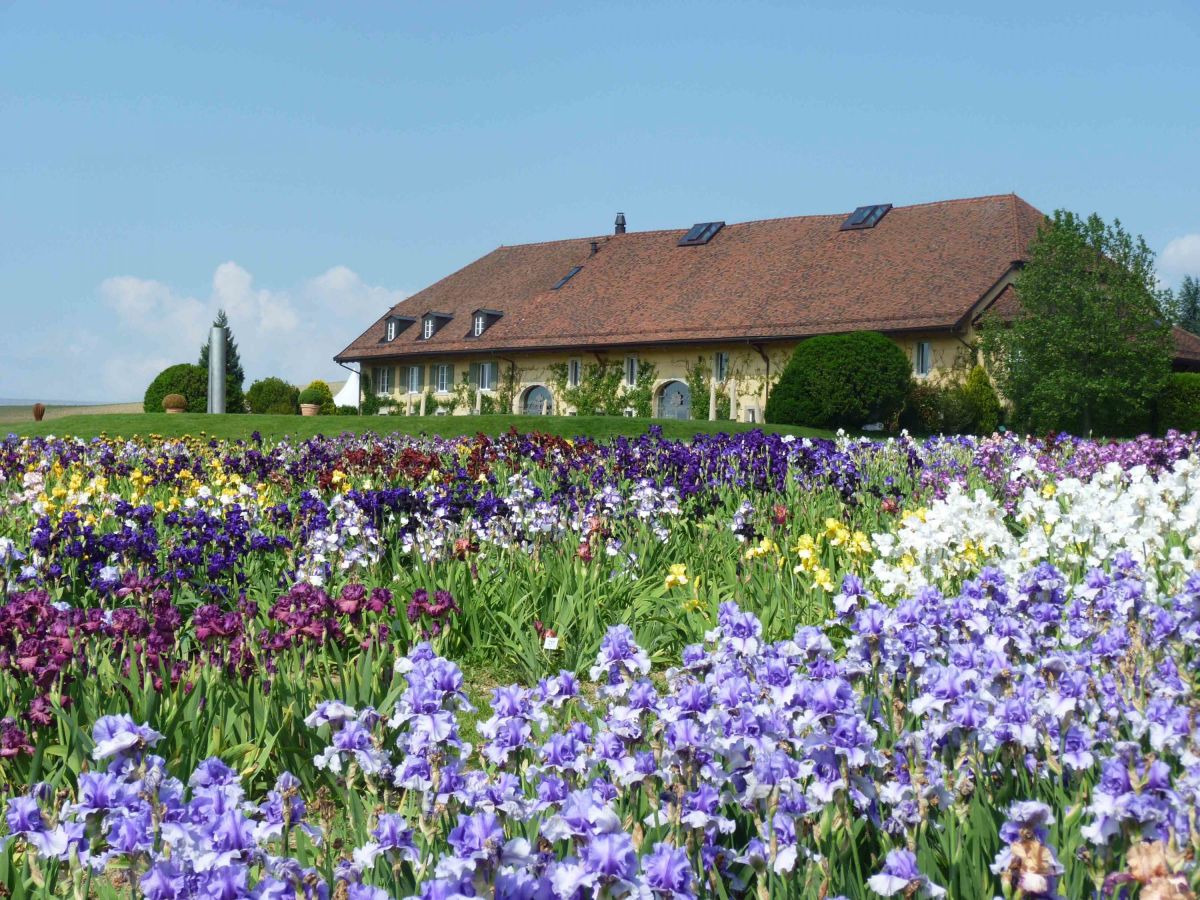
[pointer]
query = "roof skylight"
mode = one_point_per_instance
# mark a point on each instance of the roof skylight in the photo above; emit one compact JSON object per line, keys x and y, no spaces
{"x":574,"y":271}
{"x":865,"y":217}
{"x":700,"y":233}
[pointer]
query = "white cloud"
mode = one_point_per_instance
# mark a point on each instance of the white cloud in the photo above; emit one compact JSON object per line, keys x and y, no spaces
{"x":1181,"y":257}
{"x":292,"y":333}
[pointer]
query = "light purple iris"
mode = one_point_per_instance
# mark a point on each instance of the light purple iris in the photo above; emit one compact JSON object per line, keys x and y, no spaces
{"x":119,"y":736}
{"x":668,"y":872}
{"x":900,"y":875}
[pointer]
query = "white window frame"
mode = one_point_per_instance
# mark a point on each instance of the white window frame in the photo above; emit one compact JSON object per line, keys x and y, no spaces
{"x":631,"y":371}
{"x":414,"y":380}
{"x":480,"y":324}
{"x":442,"y":380}
{"x":923,"y":359}
{"x":720,"y":367}
{"x":427,"y":328}
{"x":391,"y":329}
{"x":488,"y":375}
{"x":574,"y":372}
{"x":382,"y":376}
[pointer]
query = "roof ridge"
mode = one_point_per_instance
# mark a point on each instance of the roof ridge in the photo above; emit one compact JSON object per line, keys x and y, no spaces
{"x":833,"y":215}
{"x":978,"y":199}
{"x":557,"y":241}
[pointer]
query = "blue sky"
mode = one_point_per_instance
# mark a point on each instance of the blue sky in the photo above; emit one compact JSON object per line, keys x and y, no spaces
{"x":306,"y":166}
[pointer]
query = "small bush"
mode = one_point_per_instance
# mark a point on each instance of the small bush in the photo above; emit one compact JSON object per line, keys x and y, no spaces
{"x":174,"y":401}
{"x":318,"y":392}
{"x":1179,"y":405}
{"x":841,"y":380}
{"x":273,"y":396}
{"x":982,"y":402}
{"x":370,"y":400}
{"x":922,"y":412}
{"x":970,"y":406}
{"x":347,"y":410}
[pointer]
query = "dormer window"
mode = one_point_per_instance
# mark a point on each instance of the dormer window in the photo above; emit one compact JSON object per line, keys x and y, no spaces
{"x":432,"y":323}
{"x":393,"y":325}
{"x":482,"y":320}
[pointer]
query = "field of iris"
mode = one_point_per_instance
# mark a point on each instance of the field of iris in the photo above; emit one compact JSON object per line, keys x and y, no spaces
{"x":741,"y":665}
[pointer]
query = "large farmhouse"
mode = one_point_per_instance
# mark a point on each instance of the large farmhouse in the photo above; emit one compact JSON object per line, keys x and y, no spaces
{"x":698,"y":321}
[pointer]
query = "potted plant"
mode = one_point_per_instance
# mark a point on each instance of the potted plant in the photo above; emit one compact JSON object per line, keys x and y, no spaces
{"x":310,"y":401}
{"x":175,"y":403}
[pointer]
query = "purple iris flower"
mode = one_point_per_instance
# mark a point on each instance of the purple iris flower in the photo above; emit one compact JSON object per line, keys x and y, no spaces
{"x":668,"y":872}
{"x":900,"y":875}
{"x":24,"y":815}
{"x":120,"y":737}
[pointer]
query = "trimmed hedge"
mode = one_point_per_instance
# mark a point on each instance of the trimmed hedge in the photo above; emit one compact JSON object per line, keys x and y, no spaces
{"x":192,"y":382}
{"x":189,"y":380}
{"x":846,"y":380}
{"x":1179,"y":405}
{"x":273,"y":396}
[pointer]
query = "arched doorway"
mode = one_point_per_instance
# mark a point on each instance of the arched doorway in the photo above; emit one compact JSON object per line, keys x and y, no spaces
{"x":675,"y":401}
{"x":538,"y":401}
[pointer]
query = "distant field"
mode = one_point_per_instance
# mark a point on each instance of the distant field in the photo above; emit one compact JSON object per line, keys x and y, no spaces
{"x":274,"y":427}
{"x":23,"y":414}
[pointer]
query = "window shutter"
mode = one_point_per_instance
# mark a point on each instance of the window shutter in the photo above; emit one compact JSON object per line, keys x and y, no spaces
{"x":450,"y":377}
{"x":474,"y":375}
{"x":420,"y":378}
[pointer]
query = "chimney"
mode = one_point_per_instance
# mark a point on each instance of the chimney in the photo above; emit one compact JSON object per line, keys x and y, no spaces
{"x":620,"y":223}
{"x":595,"y":248}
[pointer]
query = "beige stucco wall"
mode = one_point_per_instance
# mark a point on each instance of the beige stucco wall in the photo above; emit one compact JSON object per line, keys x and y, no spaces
{"x":750,"y":376}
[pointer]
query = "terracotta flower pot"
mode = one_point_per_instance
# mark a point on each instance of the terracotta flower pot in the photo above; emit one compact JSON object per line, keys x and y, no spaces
{"x":309,"y":409}
{"x":39,"y":410}
{"x":173,"y":411}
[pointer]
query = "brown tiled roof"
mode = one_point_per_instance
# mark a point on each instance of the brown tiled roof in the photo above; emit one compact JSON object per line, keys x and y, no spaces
{"x":921,"y":267}
{"x":1187,"y":345}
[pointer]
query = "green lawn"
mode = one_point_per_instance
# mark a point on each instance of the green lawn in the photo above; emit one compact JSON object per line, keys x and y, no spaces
{"x":274,"y":427}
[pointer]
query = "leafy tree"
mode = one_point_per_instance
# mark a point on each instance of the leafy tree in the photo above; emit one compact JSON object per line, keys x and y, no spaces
{"x":1091,"y":346}
{"x":1187,"y":304}
{"x":233,"y":362}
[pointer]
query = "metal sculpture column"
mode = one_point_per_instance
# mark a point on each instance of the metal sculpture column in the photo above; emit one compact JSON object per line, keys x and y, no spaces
{"x":216,"y":370}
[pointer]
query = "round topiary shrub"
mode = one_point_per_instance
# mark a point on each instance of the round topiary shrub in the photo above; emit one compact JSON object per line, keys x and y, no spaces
{"x":189,"y":380}
{"x":174,"y":401}
{"x":1179,"y":405}
{"x":273,"y":396}
{"x":318,"y":392}
{"x":841,"y":380}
